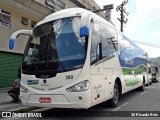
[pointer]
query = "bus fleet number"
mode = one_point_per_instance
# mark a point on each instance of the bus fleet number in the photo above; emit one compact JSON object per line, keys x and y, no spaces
{"x":68,"y":77}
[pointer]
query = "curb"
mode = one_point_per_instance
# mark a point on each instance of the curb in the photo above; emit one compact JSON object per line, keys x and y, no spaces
{"x":24,"y":109}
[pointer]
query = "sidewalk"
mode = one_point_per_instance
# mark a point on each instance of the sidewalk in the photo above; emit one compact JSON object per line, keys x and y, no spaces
{"x":6,"y":103}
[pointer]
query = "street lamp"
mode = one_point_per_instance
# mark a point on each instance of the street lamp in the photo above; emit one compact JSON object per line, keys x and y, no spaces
{"x":108,"y":8}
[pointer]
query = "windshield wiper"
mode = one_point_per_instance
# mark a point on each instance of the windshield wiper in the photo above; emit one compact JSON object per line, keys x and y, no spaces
{"x":48,"y":44}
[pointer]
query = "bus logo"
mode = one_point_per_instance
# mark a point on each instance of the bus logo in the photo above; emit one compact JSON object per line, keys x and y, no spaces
{"x":45,"y":81}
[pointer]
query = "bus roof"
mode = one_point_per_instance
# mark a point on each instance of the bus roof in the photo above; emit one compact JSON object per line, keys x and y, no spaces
{"x":73,"y":12}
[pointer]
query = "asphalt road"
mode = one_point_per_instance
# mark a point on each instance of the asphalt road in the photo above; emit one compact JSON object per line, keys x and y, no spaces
{"x":131,"y":104}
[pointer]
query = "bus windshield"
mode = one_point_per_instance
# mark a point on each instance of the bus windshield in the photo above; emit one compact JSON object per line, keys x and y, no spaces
{"x":56,"y":46}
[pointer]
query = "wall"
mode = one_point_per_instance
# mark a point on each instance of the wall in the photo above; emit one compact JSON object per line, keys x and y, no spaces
{"x":10,"y":61}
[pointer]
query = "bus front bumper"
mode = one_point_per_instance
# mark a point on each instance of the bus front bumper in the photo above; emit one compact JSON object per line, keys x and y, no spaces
{"x":57,"y":101}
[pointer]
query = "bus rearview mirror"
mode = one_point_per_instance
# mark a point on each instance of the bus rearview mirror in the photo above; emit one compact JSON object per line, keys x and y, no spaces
{"x":16,"y":34}
{"x":11,"y":43}
{"x":84,"y":32}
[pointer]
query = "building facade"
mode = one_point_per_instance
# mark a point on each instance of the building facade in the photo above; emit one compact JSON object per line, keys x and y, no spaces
{"x":24,"y":14}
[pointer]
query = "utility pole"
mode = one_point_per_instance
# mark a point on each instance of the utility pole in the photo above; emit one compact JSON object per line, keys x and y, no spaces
{"x":122,"y":13}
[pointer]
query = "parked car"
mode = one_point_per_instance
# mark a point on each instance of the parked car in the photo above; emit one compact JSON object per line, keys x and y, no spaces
{"x":154,"y":72}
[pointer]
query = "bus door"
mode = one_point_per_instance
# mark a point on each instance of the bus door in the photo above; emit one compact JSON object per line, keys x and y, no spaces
{"x":96,"y":65}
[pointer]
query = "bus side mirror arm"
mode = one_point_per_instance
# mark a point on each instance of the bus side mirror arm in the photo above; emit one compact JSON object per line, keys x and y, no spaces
{"x":16,"y":34}
{"x":85,"y":24}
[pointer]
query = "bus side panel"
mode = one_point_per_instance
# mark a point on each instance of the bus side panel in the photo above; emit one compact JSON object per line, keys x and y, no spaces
{"x":133,"y":77}
{"x":97,"y":83}
{"x":111,"y":71}
{"x":133,"y":61}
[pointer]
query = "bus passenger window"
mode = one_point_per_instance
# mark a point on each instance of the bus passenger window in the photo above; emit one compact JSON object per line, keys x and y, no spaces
{"x":96,"y":39}
{"x":109,"y":40}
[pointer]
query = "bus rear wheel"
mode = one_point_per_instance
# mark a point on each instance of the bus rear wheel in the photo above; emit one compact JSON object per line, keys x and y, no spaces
{"x":141,"y":88}
{"x":116,"y":94}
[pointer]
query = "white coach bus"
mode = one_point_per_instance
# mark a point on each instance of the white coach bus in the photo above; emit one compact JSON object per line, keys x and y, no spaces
{"x":76,"y":59}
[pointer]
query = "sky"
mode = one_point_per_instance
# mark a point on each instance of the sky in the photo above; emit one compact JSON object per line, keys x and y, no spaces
{"x":143,"y":22}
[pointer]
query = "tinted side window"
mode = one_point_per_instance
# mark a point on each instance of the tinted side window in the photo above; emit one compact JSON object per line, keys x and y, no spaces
{"x":133,"y":51}
{"x":96,"y":38}
{"x":109,"y":40}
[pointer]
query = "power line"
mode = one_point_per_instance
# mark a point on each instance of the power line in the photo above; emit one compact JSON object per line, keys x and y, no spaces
{"x":148,"y":44}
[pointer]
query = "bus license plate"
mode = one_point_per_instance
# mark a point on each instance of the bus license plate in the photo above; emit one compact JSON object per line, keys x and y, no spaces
{"x":45,"y":100}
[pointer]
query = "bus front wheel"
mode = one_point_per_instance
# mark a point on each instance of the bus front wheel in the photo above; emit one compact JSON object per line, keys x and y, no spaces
{"x":116,"y":94}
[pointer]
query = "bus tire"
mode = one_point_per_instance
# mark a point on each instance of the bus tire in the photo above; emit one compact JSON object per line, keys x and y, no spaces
{"x":116,"y":95}
{"x":141,"y":88}
{"x":147,"y":84}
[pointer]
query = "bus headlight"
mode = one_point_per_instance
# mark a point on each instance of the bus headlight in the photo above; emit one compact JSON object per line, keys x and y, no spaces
{"x":82,"y":86}
{"x":23,"y":89}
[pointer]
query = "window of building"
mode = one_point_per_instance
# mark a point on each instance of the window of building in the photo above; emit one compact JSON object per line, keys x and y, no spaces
{"x":33,"y":23}
{"x":5,"y":19}
{"x":24,"y":21}
{"x":96,"y":39}
{"x":109,"y":40}
{"x":55,"y":4}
